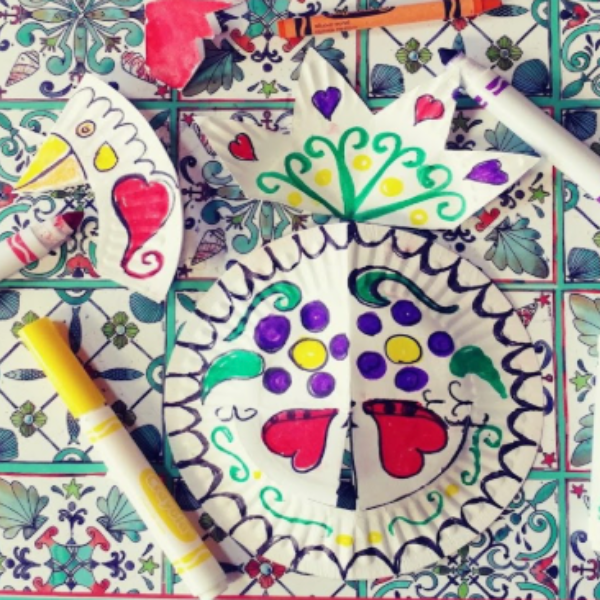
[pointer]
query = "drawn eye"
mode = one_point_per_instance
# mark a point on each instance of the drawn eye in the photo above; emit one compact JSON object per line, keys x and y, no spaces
{"x":86,"y":129}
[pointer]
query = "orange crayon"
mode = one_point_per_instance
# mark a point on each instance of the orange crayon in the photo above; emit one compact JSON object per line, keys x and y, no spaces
{"x":438,"y":10}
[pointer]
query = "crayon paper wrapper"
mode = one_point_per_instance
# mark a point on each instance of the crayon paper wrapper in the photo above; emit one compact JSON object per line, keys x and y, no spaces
{"x":361,"y":392}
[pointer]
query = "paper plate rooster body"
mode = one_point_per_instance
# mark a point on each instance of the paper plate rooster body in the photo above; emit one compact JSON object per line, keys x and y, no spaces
{"x":102,"y":140}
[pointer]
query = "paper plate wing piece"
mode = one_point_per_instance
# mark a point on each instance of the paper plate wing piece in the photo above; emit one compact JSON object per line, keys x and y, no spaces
{"x":102,"y":140}
{"x":340,"y":159}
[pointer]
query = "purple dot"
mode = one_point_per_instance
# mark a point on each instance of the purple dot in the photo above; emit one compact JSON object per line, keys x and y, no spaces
{"x":321,"y":385}
{"x":371,"y":365}
{"x":277,"y":380}
{"x":369,"y":323}
{"x":440,"y":343}
{"x":272,"y":333}
{"x":411,"y":379}
{"x":314,"y":316}
{"x":339,"y":346}
{"x":406,"y":313}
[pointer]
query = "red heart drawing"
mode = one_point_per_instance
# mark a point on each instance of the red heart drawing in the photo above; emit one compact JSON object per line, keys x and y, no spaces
{"x":241,"y":147}
{"x":427,"y":108}
{"x":299,"y":434}
{"x":143,"y":207}
{"x":407,"y":431}
{"x":174,"y":29}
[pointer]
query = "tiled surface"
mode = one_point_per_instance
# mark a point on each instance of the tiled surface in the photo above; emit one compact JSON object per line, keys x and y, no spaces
{"x":539,"y":549}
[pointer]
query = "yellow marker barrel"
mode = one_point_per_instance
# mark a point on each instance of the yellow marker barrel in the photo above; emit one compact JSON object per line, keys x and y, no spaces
{"x":125,"y":462}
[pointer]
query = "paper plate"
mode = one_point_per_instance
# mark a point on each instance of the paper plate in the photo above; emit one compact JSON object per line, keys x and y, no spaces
{"x":354,"y":401}
{"x":101,"y":139}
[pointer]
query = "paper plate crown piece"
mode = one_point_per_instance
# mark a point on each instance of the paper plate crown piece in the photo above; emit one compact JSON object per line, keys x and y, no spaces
{"x":102,"y":140}
{"x":340,"y":159}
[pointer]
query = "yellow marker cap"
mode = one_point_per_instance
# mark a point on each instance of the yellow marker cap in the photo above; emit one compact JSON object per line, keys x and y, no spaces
{"x":61,"y":367}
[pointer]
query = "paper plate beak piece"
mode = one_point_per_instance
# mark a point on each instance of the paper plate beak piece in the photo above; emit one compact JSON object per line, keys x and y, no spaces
{"x":342,"y":160}
{"x":55,"y":165}
{"x":102,"y":140}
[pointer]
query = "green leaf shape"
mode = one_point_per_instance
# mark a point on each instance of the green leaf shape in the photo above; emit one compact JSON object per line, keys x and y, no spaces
{"x":507,"y":11}
{"x":364,"y":285}
{"x":119,"y":518}
{"x":472,"y":360}
{"x":237,"y":364}
{"x":544,"y":493}
{"x":573,"y":88}
{"x":515,"y":247}
{"x":9,"y":304}
{"x":9,"y":446}
{"x":290,"y":297}
{"x":20,"y":509}
{"x":187,"y":302}
{"x":587,"y":320}
{"x":582,"y":454}
{"x":146,"y":310}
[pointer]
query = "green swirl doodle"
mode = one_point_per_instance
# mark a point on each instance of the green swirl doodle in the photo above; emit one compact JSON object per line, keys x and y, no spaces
{"x":295,"y":520}
{"x":431,"y":497}
{"x":290,"y":298}
{"x":241,"y":473}
{"x":298,"y":164}
{"x":364,"y":284}
{"x":489,"y":441}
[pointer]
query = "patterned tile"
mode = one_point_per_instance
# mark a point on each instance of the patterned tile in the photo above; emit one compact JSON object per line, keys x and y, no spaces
{"x":581,"y":321}
{"x":66,"y":534}
{"x":249,"y":61}
{"x":528,"y":526}
{"x":48,"y":46}
{"x":583,"y":567}
{"x":402,"y":57}
{"x":120,"y":339}
{"x":579,"y":50}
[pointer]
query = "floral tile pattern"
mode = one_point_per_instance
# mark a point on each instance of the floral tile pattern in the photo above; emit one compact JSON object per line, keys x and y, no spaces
{"x":542,"y":248}
{"x":69,"y":536}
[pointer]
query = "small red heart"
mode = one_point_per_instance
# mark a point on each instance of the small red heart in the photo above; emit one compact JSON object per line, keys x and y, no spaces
{"x":143,"y":207}
{"x":427,"y":108}
{"x":299,"y":434}
{"x":407,"y":431}
{"x":241,"y":147}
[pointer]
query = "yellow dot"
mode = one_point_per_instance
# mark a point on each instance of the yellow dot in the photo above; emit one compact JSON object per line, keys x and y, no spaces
{"x":106,"y":158}
{"x":344,"y":540}
{"x":391,"y":187}
{"x":419,"y":217}
{"x":451,"y":490}
{"x":403,"y":349}
{"x":309,"y":355}
{"x":323,"y":177}
{"x":362,"y":162}
{"x":375,"y":537}
{"x":257,"y":474}
{"x":295,"y":198}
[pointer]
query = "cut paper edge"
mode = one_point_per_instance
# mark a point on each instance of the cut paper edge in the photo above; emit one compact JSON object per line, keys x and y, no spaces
{"x":174,"y":33}
{"x":101,"y":139}
{"x":342,"y":160}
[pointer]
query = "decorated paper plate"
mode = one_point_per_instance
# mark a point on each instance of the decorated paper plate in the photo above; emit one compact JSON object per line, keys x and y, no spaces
{"x":354,"y":401}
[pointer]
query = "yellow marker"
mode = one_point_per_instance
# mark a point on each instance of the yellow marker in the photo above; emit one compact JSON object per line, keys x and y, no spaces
{"x":126,"y":463}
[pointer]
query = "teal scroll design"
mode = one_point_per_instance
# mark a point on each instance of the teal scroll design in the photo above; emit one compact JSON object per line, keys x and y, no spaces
{"x":435,"y":179}
{"x":492,"y":440}
{"x":290,"y":297}
{"x":364,"y":284}
{"x":239,"y":473}
{"x":278,"y":497}
{"x":433,"y":498}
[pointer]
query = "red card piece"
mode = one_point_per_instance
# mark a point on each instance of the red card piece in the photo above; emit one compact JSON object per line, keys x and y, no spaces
{"x":173,"y":31}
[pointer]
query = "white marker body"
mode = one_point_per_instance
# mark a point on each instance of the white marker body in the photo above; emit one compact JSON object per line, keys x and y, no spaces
{"x":172,"y":530}
{"x":547,"y":137}
{"x":20,"y":250}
